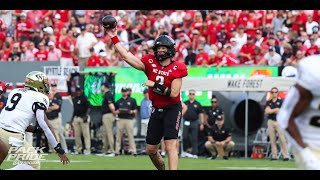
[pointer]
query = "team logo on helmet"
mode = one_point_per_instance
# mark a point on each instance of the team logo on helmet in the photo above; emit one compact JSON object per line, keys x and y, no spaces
{"x":37,"y":81}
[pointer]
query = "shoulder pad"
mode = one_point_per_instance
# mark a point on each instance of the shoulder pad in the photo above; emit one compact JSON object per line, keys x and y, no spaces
{"x":38,"y":105}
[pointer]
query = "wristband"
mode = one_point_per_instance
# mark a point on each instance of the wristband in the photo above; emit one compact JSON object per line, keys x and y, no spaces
{"x":158,"y":88}
{"x":115,"y":40}
{"x":59,"y":149}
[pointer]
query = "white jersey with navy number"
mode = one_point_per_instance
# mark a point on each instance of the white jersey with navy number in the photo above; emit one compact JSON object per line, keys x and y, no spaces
{"x":20,"y":109}
{"x":308,"y":122}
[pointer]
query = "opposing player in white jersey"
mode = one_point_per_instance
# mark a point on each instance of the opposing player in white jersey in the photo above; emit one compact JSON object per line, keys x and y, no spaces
{"x":23,"y":105}
{"x":299,"y":115}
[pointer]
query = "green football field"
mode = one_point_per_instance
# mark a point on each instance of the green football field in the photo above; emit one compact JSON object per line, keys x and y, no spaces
{"x":127,"y":162}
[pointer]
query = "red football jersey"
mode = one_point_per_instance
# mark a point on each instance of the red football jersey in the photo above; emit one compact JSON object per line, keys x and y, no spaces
{"x":163,"y":75}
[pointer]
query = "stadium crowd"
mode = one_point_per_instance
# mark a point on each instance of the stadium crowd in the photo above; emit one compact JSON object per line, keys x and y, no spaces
{"x":203,"y":37}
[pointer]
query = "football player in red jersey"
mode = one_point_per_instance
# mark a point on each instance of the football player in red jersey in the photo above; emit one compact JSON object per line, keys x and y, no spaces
{"x":164,"y":82}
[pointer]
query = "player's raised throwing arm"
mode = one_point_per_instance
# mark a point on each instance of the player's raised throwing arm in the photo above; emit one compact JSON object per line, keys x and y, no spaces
{"x":128,"y":57}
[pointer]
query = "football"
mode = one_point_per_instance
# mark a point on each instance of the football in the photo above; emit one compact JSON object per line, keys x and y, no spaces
{"x":109,"y":22}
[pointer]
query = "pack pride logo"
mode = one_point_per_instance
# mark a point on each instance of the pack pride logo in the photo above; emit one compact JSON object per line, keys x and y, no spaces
{"x":23,"y":155}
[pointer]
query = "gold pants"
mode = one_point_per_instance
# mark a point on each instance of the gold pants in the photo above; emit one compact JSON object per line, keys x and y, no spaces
{"x":273,"y":129}
{"x":81,"y":128}
{"x":125,"y":124}
{"x":19,"y":154}
{"x":108,"y":138}
{"x":214,"y":149}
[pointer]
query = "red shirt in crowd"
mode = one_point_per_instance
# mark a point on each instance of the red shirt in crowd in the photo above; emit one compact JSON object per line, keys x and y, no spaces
{"x":59,"y":24}
{"x":197,"y":25}
{"x":229,"y":61}
{"x":41,"y":55}
{"x":231,"y":55}
{"x":5,"y":54}
{"x":64,"y":14}
{"x":252,"y":24}
{"x":2,"y":39}
{"x":247,"y":49}
{"x":202,"y":58}
{"x":93,"y":61}
{"x":258,"y":58}
{"x":243,"y":19}
{"x":22,"y":25}
{"x":66,"y":43}
{"x":312,"y":50}
{"x":213,"y":30}
{"x":18,"y":11}
{"x":44,"y":12}
{"x":301,"y":21}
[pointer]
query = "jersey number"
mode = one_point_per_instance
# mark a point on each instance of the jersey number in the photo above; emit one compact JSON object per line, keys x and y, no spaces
{"x":14,"y":101}
{"x":161,"y":79}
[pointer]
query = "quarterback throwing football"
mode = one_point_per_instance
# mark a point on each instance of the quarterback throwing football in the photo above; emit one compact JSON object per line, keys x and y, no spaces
{"x":164,"y":85}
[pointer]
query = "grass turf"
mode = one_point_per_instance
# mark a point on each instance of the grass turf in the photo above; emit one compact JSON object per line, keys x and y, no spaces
{"x":127,"y":162}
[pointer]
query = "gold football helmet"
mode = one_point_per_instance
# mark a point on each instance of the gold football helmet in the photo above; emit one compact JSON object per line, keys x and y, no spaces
{"x":38,"y":81}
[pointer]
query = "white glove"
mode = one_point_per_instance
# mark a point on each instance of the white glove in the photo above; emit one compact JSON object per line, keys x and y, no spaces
{"x":310,"y":160}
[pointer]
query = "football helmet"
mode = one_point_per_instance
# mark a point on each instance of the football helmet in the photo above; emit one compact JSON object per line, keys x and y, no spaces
{"x":166,"y":41}
{"x":37,"y":81}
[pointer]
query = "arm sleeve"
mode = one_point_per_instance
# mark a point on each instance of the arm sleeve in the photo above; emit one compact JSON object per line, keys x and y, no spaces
{"x":40,"y":118}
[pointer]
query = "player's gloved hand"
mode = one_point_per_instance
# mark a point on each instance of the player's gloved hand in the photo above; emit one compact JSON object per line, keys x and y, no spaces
{"x":310,"y":160}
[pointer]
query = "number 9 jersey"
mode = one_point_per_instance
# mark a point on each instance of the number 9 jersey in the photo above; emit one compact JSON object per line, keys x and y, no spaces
{"x":21,"y":108}
{"x":163,"y":75}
